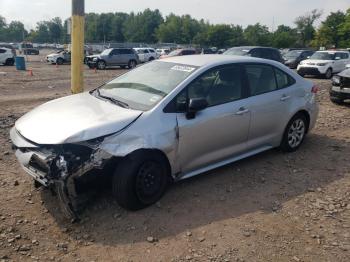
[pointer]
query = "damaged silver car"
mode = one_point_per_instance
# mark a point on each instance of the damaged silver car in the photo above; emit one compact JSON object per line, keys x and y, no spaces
{"x":164,"y":121}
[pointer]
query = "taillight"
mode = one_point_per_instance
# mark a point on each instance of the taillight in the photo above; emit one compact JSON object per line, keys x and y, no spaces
{"x":314,"y":89}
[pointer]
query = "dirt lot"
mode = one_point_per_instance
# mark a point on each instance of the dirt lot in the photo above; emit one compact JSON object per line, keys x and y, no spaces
{"x":271,"y":207}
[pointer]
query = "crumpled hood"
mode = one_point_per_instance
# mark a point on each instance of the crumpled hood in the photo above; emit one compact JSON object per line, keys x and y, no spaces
{"x":316,"y":61}
{"x":74,"y":119}
{"x":345,"y":73}
{"x":93,"y":56}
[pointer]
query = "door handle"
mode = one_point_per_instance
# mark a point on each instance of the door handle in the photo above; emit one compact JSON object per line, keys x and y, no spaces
{"x":242,"y":111}
{"x":285,"y":97}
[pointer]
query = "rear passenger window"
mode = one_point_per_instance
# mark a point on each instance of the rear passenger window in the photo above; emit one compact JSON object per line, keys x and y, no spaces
{"x":283,"y":79}
{"x":261,"y":79}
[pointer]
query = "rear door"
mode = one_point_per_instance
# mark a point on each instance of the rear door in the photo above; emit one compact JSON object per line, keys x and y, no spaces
{"x":271,"y":96}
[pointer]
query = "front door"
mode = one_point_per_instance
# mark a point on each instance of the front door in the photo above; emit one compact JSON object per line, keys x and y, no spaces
{"x":220,"y":131}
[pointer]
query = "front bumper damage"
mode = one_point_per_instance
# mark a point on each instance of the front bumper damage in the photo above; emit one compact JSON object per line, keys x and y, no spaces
{"x":58,"y":167}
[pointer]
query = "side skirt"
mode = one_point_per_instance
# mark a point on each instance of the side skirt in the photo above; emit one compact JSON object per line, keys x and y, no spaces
{"x":223,"y":163}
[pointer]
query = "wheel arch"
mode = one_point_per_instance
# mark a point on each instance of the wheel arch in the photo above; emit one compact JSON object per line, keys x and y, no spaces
{"x":160,"y":153}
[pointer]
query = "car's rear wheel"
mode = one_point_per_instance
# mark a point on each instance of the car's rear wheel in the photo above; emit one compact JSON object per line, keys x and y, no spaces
{"x":132,"y":64}
{"x":10,"y":62}
{"x":59,"y":61}
{"x":294,"y":133}
{"x":328,"y":74}
{"x":101,"y":65}
{"x":140,"y":180}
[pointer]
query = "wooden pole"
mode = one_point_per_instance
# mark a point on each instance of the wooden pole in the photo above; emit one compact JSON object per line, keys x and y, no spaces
{"x":77,"y":43}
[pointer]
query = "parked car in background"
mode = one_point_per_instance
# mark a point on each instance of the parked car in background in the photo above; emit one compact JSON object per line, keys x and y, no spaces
{"x":167,"y":120}
{"x":162,"y":51}
{"x":28,"y":49}
{"x":256,"y":51}
{"x":325,"y":63}
{"x":180,"y":52}
{"x":9,"y":46}
{"x":6,"y":56}
{"x":294,"y":57}
{"x":61,"y":57}
{"x":340,"y":90}
{"x":221,"y":51}
{"x":209,"y":51}
{"x":146,"y":54}
{"x":123,"y":57}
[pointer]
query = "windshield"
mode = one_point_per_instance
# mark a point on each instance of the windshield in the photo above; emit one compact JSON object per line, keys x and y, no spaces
{"x":145,"y":86}
{"x":323,"y":56}
{"x":237,"y":51}
{"x":106,"y":52}
{"x":293,"y":54}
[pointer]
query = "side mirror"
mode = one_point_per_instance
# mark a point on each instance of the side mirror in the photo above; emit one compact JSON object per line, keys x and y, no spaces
{"x":195,"y":105}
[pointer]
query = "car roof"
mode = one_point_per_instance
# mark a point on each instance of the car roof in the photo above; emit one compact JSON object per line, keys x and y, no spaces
{"x":332,"y":51}
{"x":253,"y":47}
{"x":207,"y":60}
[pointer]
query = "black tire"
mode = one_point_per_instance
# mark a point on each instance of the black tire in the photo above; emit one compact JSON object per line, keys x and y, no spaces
{"x":140,"y":179}
{"x":9,"y":62}
{"x":301,"y":74}
{"x":337,"y":101}
{"x":294,"y":133}
{"x":59,"y":61}
{"x":101,"y":65}
{"x":328,"y":74}
{"x":132,"y":64}
{"x":151,"y":58}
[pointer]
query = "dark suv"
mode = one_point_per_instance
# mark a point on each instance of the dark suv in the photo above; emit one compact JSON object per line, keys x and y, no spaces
{"x":123,"y":57}
{"x":294,"y":57}
{"x":256,"y":51}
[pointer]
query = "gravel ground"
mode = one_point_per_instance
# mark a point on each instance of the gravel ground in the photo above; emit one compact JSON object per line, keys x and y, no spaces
{"x":270,"y":207}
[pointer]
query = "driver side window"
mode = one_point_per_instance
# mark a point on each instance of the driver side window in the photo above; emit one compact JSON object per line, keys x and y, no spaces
{"x":217,"y":86}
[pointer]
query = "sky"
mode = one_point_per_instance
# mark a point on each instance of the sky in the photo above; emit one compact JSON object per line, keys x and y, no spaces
{"x":241,"y":12}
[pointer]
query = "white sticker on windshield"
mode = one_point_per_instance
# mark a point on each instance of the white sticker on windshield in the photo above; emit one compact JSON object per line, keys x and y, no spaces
{"x":154,"y":99}
{"x":183,"y":68}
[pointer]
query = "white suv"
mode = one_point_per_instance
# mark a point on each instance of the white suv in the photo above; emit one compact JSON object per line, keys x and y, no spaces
{"x":146,"y":54}
{"x":6,"y":56}
{"x":324,"y":63}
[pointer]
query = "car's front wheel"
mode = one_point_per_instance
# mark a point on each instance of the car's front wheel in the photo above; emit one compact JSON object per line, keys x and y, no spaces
{"x":10,"y":62}
{"x":59,"y":61}
{"x":337,"y":101}
{"x":101,"y":65}
{"x":328,"y":74}
{"x":140,"y":180}
{"x":132,"y":64}
{"x":294,"y":133}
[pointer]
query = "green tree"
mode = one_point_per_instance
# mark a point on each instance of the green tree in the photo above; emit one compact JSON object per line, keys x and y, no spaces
{"x":55,"y":28}
{"x":305,"y":26}
{"x":284,"y":37}
{"x":257,"y":35}
{"x":344,"y":31}
{"x":16,"y":32}
{"x":3,"y":27}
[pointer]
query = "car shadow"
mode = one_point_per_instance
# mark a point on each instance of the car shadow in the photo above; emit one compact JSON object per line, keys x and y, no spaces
{"x":262,"y":183}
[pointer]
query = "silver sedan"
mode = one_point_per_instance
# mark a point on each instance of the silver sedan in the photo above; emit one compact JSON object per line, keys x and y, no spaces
{"x":164,"y":121}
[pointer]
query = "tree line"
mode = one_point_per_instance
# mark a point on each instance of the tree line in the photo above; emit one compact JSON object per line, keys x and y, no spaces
{"x":150,"y":27}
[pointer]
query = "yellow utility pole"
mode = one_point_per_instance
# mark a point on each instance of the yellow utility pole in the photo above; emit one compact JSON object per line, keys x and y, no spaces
{"x":77,"y":50}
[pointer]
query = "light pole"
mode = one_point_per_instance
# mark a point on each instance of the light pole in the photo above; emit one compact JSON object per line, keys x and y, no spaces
{"x":77,"y":48}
